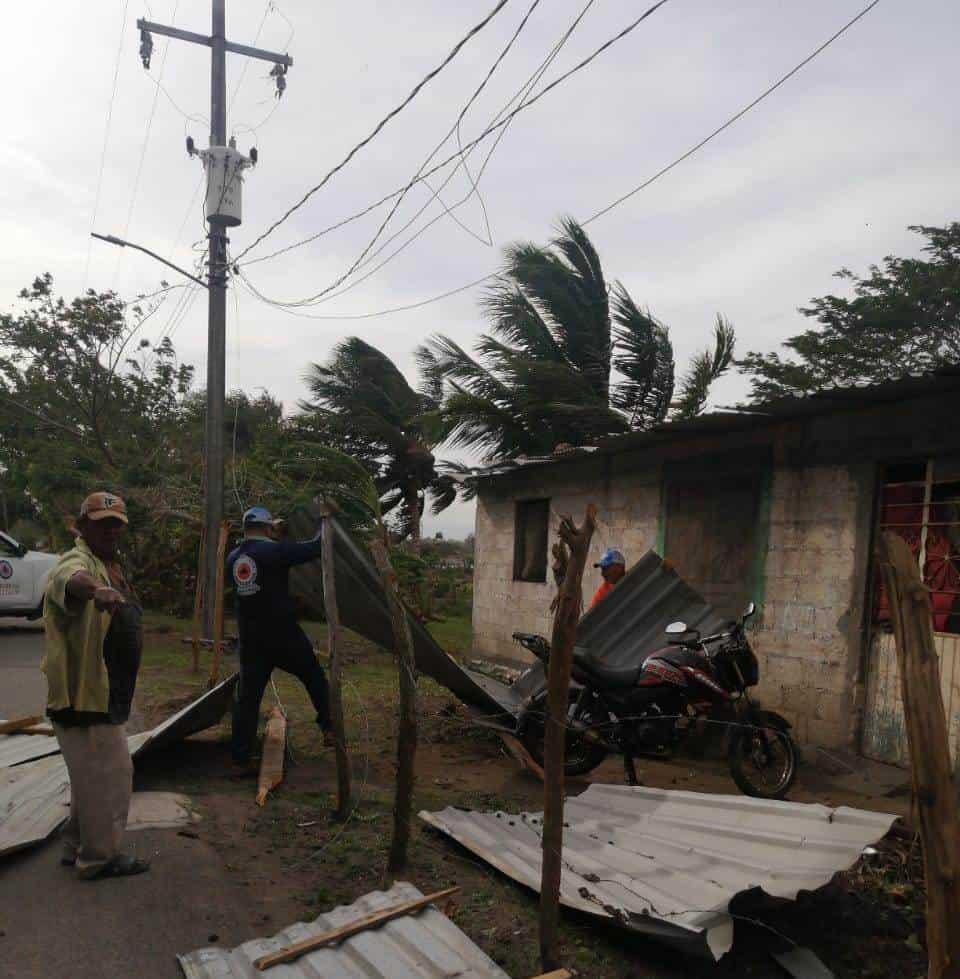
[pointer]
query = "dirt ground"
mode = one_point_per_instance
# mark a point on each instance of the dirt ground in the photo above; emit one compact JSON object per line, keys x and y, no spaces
{"x":295,"y":861}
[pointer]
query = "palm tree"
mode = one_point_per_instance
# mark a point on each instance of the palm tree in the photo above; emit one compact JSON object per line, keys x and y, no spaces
{"x":363,"y":397}
{"x":568,"y":359}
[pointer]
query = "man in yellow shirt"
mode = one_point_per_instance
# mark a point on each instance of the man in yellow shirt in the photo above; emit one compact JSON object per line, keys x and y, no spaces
{"x":93,"y":645}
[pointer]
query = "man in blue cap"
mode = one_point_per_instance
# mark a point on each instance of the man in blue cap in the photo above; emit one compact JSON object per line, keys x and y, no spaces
{"x":270,"y":636}
{"x":613,"y":566}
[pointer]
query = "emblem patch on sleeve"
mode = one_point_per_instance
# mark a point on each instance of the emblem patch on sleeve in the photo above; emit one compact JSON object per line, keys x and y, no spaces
{"x":245,"y":575}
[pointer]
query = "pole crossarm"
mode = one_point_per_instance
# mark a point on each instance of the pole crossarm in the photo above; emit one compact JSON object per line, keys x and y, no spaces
{"x":206,"y":40}
{"x":278,"y":59}
{"x":148,"y":25}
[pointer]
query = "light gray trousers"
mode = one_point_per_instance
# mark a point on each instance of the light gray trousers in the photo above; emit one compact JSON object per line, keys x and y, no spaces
{"x":101,"y":782}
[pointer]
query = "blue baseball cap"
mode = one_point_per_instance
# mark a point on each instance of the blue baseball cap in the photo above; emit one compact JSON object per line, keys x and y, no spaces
{"x":611,"y":556}
{"x":257,"y":514}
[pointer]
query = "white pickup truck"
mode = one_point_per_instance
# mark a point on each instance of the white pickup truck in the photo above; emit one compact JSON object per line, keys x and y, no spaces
{"x":23,"y":576}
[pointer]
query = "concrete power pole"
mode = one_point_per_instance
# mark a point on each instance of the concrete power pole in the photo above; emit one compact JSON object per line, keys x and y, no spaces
{"x":223,"y":211}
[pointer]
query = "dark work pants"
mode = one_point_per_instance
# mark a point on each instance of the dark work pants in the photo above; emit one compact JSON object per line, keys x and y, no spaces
{"x":261,"y":652}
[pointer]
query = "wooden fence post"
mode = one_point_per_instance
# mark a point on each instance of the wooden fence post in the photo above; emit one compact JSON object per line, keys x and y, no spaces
{"x":198,"y":602}
{"x":568,"y":605}
{"x":344,"y":801}
{"x":926,"y":723}
{"x":218,"y":605}
{"x":407,"y":733}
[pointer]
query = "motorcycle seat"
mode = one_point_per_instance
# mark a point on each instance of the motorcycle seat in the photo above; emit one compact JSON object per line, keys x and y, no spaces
{"x":609,"y":676}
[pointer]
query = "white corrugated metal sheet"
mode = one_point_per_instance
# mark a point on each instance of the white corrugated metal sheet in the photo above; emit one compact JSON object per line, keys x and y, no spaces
{"x":669,"y":863}
{"x":35,"y":797}
{"x":34,"y":801}
{"x":427,"y":945}
{"x":15,"y":749}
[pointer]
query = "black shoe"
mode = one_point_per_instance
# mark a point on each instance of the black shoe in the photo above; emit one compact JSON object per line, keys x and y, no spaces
{"x":120,"y":866}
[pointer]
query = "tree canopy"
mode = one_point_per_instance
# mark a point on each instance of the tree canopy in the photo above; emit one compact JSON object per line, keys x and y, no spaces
{"x":568,"y":359}
{"x":903,"y":317}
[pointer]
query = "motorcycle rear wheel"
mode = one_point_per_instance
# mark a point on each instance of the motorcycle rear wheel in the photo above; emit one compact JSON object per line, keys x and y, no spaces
{"x":763,"y":759}
{"x":580,"y":756}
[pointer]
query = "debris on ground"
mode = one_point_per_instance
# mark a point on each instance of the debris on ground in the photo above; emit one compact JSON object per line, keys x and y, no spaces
{"x":422,"y":942}
{"x":159,"y":810}
{"x":35,"y":796}
{"x":274,"y":749}
{"x":668,"y":863}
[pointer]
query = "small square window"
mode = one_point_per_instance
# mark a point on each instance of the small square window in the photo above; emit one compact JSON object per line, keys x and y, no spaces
{"x":530,"y":532}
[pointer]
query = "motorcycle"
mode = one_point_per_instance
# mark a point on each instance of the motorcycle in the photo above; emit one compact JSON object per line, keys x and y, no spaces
{"x":650,"y":708}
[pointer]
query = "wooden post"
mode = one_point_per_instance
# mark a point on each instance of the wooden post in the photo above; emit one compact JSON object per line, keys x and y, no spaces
{"x":568,"y":607}
{"x":218,"y":604}
{"x":926,"y":723}
{"x":198,"y":602}
{"x":407,"y":733}
{"x":344,"y":801}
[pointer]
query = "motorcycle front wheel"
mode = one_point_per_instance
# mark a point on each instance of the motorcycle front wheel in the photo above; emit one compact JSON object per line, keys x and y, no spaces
{"x":580,"y":755}
{"x":763,"y":759}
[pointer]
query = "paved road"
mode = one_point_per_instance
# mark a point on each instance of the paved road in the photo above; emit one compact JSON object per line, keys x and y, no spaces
{"x":23,"y":689}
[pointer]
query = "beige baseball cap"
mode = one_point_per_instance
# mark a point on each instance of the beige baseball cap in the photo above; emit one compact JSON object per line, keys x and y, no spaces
{"x":99,"y":506}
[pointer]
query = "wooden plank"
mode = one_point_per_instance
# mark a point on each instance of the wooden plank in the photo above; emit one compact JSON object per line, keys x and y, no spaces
{"x":218,"y":606}
{"x":926,"y":724}
{"x":557,"y":974}
{"x":271,"y":762}
{"x":19,"y":724}
{"x":340,"y":934}
{"x":335,"y":644}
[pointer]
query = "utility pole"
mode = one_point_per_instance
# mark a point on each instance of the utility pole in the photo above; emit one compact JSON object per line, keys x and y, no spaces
{"x":223,"y":211}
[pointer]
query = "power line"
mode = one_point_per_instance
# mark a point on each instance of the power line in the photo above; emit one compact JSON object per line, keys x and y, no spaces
{"x":383,"y":122}
{"x":603,"y":211}
{"x":106,"y":138}
{"x":146,"y":139}
{"x":490,"y":129}
{"x":522,"y":94}
{"x":734,"y":118}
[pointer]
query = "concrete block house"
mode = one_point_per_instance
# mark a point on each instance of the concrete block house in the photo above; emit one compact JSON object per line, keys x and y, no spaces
{"x":780,"y":504}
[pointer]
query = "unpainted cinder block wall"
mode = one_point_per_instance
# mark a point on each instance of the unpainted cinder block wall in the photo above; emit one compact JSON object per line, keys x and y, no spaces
{"x":812,"y":593}
{"x":807,"y":637}
{"x":628,"y":513}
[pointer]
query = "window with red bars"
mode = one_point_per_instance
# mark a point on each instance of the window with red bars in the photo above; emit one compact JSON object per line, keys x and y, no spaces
{"x":920,"y":501}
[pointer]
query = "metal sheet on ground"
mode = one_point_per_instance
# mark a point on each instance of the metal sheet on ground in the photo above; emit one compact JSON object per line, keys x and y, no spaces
{"x":35,"y":796}
{"x":427,"y":945}
{"x":15,"y":749}
{"x":34,"y":801}
{"x":666,"y":863}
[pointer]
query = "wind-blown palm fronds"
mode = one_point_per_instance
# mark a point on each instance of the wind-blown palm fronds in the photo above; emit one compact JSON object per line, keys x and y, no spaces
{"x":542,"y":375}
{"x":705,"y":368}
{"x":363,"y":394}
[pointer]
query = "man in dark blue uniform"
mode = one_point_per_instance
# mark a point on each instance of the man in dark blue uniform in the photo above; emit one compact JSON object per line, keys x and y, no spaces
{"x":269,"y":634}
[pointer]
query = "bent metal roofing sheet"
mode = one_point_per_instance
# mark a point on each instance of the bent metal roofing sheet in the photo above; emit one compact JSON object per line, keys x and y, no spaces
{"x":427,"y":945}
{"x":35,"y":797}
{"x":668,"y":863}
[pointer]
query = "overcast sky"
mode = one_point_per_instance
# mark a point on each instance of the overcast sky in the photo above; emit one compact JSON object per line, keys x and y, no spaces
{"x":827,"y":172}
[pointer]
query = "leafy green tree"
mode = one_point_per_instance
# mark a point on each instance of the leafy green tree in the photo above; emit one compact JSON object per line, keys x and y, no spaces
{"x":85,"y":399}
{"x":568,"y":358}
{"x":903,"y":317}
{"x":363,"y":399}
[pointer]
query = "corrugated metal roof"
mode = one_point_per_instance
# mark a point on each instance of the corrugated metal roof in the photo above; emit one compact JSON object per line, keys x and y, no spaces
{"x":18,"y":748}
{"x":427,"y":945}
{"x":668,"y":863}
{"x":628,"y":625}
{"x":828,"y":401}
{"x":35,"y":797}
{"x":363,"y":608}
{"x":34,"y":801}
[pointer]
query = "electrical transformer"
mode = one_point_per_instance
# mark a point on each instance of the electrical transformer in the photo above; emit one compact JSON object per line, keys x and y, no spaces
{"x":224,"y":166}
